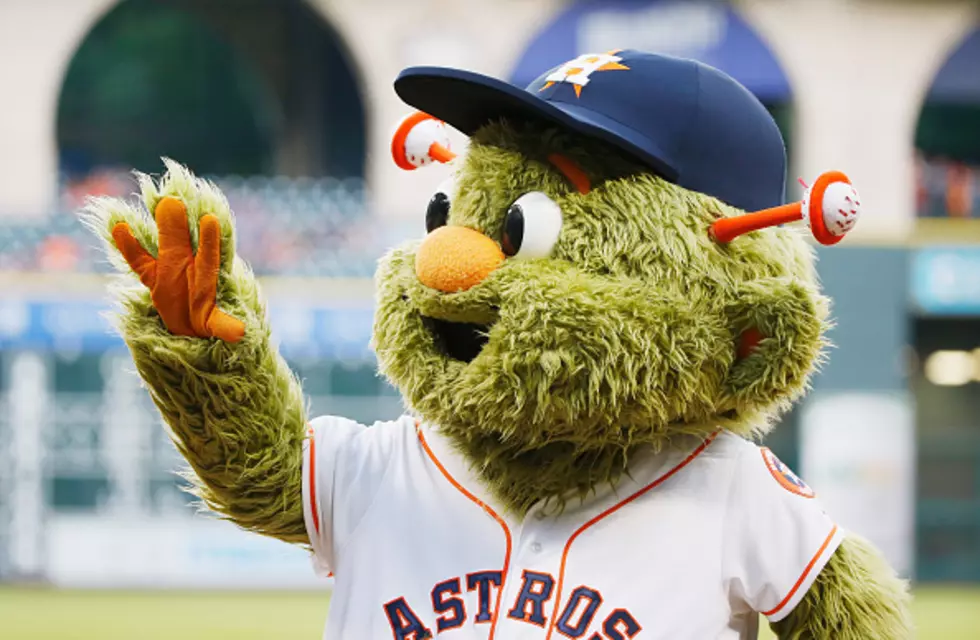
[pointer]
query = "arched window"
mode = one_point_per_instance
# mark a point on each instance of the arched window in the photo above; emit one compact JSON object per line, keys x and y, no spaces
{"x":947,"y":139}
{"x":251,"y":87}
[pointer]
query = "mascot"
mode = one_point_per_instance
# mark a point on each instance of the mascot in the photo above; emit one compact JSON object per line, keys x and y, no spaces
{"x":608,"y":309}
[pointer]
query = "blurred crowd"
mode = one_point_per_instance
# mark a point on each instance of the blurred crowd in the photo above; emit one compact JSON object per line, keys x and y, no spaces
{"x":324,"y":227}
{"x":290,"y":227}
{"x":947,"y":188}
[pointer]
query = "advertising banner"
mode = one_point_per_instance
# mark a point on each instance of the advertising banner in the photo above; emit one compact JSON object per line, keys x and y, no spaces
{"x":103,"y":551}
{"x":858,"y":454}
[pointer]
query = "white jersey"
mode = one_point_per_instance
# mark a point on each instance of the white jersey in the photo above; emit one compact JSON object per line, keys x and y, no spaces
{"x":691,"y":545}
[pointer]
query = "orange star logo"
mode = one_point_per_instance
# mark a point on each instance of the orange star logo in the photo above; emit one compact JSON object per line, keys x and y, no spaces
{"x":578,"y":71}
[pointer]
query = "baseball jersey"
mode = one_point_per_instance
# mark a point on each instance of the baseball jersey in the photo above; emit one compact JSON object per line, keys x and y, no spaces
{"x":692,"y":543}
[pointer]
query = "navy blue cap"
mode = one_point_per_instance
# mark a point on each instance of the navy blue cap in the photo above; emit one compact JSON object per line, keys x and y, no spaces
{"x":688,"y":122}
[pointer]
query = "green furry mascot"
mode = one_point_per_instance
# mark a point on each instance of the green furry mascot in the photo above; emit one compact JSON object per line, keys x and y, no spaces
{"x":590,"y":338}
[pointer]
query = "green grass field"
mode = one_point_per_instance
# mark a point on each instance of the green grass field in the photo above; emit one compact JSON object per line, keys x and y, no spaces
{"x":39,"y":614}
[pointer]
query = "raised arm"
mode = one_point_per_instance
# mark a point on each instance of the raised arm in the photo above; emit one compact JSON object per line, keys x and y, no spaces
{"x":198,"y":334}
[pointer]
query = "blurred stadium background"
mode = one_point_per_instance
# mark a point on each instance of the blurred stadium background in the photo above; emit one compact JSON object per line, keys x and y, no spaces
{"x":287,"y":104}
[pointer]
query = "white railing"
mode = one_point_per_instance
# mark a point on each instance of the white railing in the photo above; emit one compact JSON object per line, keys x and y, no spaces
{"x":81,"y":471}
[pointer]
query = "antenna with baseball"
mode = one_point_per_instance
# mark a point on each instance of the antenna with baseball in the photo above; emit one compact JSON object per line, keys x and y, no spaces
{"x":830,"y":208}
{"x":419,"y":140}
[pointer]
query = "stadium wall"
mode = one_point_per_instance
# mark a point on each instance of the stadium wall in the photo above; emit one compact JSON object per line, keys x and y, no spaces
{"x":836,"y":53}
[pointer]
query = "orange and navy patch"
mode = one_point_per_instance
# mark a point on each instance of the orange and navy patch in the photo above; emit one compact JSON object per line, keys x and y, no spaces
{"x":784,"y":475}
{"x":578,"y":71}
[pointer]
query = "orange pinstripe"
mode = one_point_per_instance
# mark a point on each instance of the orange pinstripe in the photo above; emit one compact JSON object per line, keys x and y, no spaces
{"x":564,"y":555}
{"x":803,"y":576}
{"x":490,"y":512}
{"x":313,"y":503}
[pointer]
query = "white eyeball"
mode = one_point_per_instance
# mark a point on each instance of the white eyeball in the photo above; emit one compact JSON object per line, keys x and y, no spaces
{"x":531,"y":227}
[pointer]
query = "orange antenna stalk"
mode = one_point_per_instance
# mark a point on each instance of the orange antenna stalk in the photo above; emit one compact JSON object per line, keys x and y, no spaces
{"x":727,"y":229}
{"x":440,"y":153}
{"x":830,"y":208}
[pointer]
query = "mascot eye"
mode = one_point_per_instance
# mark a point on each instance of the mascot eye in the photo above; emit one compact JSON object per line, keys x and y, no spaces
{"x":437,"y":211}
{"x":531,"y":227}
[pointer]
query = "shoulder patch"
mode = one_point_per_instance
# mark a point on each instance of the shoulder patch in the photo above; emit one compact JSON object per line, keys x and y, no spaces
{"x":784,"y":475}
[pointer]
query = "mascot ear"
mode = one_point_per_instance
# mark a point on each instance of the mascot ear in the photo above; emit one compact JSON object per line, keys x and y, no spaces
{"x":778,"y":325}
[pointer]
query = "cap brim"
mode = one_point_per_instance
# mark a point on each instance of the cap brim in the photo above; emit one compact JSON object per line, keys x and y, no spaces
{"x":468,"y":101}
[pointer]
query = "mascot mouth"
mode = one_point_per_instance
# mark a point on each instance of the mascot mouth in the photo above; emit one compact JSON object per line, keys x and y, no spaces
{"x":461,"y":341}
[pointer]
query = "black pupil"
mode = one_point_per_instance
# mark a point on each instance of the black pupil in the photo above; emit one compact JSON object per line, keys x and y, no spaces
{"x":437,"y":213}
{"x":513,"y":230}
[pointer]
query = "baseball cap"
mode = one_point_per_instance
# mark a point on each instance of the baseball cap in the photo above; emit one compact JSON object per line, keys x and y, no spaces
{"x":686,"y":121}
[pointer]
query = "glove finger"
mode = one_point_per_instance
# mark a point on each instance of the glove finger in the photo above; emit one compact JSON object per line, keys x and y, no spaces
{"x":207,"y":318}
{"x":175,"y":235}
{"x":207,"y":262}
{"x":174,"y":260}
{"x":204,"y":275}
{"x":138,"y":258}
{"x":225,"y":327}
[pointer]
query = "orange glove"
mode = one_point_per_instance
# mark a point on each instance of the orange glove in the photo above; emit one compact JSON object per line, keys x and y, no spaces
{"x":183,"y":286}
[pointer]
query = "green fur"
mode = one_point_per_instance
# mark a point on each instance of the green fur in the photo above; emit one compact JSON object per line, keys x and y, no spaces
{"x":235,"y":411}
{"x":856,"y":597}
{"x":626,"y":336}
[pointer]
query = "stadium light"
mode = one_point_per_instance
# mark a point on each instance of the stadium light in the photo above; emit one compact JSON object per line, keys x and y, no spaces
{"x":951,"y":368}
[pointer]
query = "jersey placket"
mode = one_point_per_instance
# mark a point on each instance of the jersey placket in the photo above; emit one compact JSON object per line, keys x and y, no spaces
{"x":530,"y":589}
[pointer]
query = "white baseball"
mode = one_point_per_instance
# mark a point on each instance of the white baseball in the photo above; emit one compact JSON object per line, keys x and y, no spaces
{"x":420,"y":139}
{"x":841,"y":208}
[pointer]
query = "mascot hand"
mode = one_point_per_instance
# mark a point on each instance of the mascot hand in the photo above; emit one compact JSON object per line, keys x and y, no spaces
{"x":182,"y":284}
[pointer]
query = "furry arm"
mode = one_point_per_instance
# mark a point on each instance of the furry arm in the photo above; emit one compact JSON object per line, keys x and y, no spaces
{"x":857,"y":596}
{"x":233,"y":408}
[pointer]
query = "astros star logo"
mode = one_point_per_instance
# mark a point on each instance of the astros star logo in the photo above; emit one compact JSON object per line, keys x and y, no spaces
{"x":578,"y":71}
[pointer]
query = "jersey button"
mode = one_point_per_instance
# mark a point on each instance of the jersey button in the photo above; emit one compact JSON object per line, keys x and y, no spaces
{"x":536,"y":547}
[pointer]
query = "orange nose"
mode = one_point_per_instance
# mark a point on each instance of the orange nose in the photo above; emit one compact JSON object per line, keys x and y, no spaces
{"x":454,"y":259}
